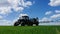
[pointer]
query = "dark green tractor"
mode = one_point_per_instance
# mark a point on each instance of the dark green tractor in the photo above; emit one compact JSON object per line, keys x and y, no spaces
{"x":25,"y":20}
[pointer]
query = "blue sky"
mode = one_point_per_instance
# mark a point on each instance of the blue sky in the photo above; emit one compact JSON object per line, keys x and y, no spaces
{"x":45,"y":10}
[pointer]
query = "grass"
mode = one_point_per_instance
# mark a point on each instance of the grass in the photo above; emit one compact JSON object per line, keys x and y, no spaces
{"x":30,"y":30}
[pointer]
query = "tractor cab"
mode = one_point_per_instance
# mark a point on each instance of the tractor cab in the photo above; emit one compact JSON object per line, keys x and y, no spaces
{"x":24,"y":17}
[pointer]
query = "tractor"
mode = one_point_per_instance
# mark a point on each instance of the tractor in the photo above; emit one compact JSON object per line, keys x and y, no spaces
{"x":25,"y":20}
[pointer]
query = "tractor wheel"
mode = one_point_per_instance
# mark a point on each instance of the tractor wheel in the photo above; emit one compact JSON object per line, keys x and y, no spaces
{"x":36,"y":24}
{"x":16,"y":24}
{"x":31,"y":25}
{"x":22,"y":24}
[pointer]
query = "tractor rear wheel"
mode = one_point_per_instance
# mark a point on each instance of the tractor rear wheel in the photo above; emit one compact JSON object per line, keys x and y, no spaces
{"x":16,"y":24}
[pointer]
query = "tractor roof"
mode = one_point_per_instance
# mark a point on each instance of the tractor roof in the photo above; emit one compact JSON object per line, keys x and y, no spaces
{"x":23,"y":15}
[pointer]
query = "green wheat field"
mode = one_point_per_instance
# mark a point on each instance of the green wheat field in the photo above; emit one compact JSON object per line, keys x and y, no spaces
{"x":29,"y":29}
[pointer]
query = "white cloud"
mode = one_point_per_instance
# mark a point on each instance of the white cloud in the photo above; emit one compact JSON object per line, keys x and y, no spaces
{"x":17,"y":5}
{"x":48,"y":13}
{"x":5,"y":10}
{"x":1,"y":17}
{"x":44,"y":19}
{"x":18,"y":9}
{"x":5,"y":22}
{"x":28,"y":3}
{"x":4,"y":3}
{"x":57,"y":11}
{"x":54,"y":3}
{"x":55,"y":16}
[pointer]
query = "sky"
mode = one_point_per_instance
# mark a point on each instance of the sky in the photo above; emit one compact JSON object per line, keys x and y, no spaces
{"x":45,"y":10}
